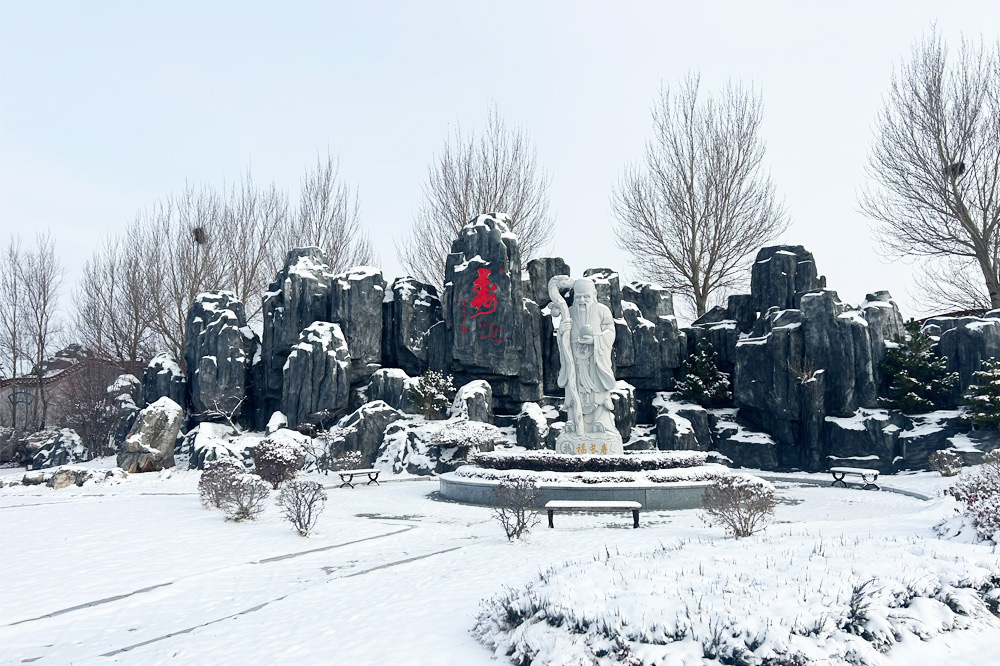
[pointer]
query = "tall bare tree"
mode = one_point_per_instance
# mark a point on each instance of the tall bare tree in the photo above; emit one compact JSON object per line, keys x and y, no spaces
{"x":495,"y":172}
{"x":329,"y":216}
{"x":41,"y":275}
{"x":182,"y":243}
{"x":13,"y":317}
{"x":935,"y":163}
{"x":113,"y":307}
{"x":137,"y":290}
{"x":691,"y":216}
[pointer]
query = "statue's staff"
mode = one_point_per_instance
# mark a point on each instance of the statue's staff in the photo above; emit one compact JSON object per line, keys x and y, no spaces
{"x":567,"y":366}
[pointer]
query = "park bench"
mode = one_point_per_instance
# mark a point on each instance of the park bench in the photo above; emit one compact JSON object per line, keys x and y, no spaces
{"x":868,"y":476}
{"x":347,"y":476}
{"x":582,"y":505}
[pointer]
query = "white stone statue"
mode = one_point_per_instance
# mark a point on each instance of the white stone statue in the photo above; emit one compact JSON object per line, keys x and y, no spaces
{"x":586,"y":337}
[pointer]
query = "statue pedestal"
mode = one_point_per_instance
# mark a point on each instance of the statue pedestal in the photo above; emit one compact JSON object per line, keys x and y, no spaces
{"x":608,"y":442}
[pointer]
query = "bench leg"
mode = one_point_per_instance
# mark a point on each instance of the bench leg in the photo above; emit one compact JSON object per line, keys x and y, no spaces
{"x":550,"y":519}
{"x":869,"y":485}
{"x":373,"y":479}
{"x":347,"y":483}
{"x":838,"y":479}
{"x":635,"y":519}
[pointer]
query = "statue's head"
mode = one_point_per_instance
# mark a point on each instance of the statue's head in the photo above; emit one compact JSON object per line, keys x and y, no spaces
{"x":584,"y":292}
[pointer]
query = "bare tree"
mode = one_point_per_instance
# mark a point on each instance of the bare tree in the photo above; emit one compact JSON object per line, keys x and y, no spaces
{"x":496,"y":172}
{"x":692,"y":215}
{"x":13,"y":313}
{"x":329,"y":217}
{"x":250,"y":239}
{"x":113,"y":306}
{"x":181,"y":241}
{"x":206,"y":239}
{"x":935,"y":162}
{"x":41,"y":275}
{"x":86,"y":406}
{"x":951,"y":284}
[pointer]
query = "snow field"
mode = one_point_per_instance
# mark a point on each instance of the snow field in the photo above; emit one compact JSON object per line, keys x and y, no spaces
{"x":393,"y":575}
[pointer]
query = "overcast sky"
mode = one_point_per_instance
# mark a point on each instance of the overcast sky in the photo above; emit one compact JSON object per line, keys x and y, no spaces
{"x":106,"y":107}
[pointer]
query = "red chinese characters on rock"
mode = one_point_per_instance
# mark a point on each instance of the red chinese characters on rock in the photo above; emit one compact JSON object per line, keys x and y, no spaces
{"x":485,"y":300}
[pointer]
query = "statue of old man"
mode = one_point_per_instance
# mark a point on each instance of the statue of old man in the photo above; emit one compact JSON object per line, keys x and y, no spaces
{"x":586,"y":338}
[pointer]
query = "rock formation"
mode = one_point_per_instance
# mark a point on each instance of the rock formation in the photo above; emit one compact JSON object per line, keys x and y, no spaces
{"x":218,"y":350}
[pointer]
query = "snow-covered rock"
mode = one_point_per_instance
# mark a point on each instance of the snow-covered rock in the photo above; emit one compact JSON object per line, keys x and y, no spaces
{"x":72,"y":475}
{"x":424,"y":447}
{"x":392,"y":386}
{"x":474,"y":402}
{"x":361,"y":431}
{"x":61,"y":448}
{"x":277,"y":421}
{"x":150,"y":447}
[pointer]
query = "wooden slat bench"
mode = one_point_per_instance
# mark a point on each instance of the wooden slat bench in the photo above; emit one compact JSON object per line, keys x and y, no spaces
{"x":347,"y":476}
{"x":583,"y":505}
{"x":868,"y":476}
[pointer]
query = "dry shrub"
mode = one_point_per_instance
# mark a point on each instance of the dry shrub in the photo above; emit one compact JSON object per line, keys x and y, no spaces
{"x":979,"y":492}
{"x":246,"y":497}
{"x":514,"y":510}
{"x":213,"y":486}
{"x":743,"y":504}
{"x":945,"y":461}
{"x":302,"y":502}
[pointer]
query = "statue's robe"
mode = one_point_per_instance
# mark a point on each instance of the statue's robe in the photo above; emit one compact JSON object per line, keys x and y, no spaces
{"x":592,"y":363}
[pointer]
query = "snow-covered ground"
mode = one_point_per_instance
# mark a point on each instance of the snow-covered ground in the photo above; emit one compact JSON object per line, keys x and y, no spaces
{"x":140,"y":573}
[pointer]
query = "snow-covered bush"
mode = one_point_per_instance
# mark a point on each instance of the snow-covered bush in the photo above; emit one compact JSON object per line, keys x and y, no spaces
{"x":979,"y":493}
{"x":547,"y":461}
{"x":246,"y":497}
{"x":983,"y":396}
{"x":945,"y":461}
{"x":743,"y":504}
{"x":432,"y":393}
{"x":277,"y":459}
{"x":702,"y":381}
{"x":302,"y":502}
{"x":214,"y":484}
{"x":764,"y":601}
{"x":678,"y":475}
{"x":514,"y":510}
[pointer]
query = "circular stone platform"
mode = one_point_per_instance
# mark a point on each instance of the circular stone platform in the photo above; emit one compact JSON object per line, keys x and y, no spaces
{"x":653,"y":496}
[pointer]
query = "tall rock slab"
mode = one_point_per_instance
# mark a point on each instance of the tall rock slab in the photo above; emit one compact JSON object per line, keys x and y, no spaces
{"x":780,"y":273}
{"x":413,"y":336}
{"x":540,"y":271}
{"x":316,"y":381}
{"x":163,"y":377}
{"x":218,"y":351}
{"x":967,"y":343}
{"x":492,"y":330}
{"x":838,"y":341}
{"x":356,"y":301}
{"x":298,"y":296}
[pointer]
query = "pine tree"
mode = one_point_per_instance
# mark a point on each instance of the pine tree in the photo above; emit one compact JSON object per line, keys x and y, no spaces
{"x":917,"y":380}
{"x":983,"y":396}
{"x":703,"y":382}
{"x":432,"y":393}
